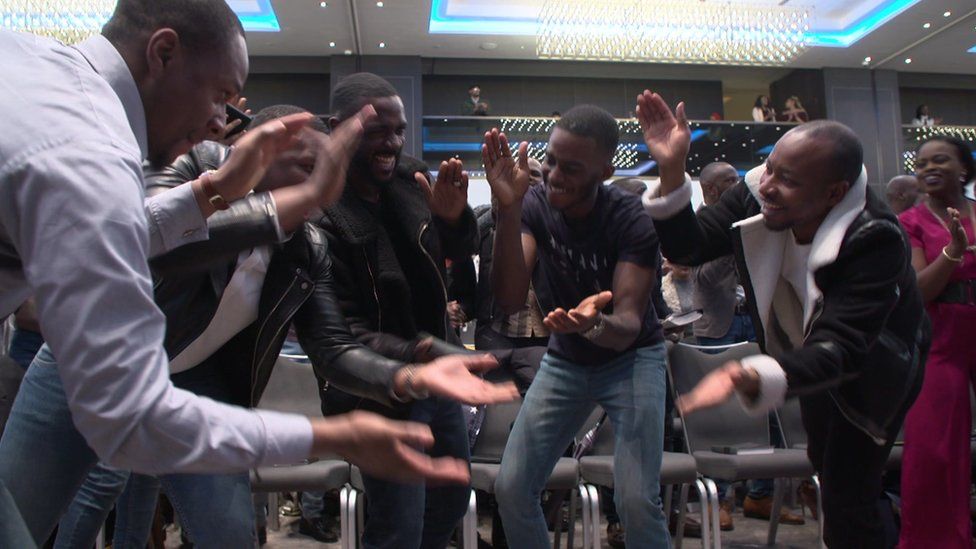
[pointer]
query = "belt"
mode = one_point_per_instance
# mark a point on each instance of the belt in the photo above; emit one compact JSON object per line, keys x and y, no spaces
{"x":961,"y":291}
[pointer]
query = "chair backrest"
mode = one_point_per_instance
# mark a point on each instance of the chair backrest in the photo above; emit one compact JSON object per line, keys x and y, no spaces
{"x":493,"y":436}
{"x":726,"y":424}
{"x":292,"y":388}
{"x":791,"y":423}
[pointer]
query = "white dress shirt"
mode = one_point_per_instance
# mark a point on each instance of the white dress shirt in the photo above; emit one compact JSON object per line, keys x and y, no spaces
{"x":73,"y":213}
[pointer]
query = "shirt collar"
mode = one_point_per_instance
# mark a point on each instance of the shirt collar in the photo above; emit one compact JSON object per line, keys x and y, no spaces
{"x":109,"y":64}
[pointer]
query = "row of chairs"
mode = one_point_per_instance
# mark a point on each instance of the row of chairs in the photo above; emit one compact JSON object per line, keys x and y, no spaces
{"x":289,"y":390}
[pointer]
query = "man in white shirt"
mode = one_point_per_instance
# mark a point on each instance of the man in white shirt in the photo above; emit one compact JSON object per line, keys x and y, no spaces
{"x":75,"y":234}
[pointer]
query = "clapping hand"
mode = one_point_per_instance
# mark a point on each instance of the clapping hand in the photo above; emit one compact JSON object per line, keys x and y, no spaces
{"x":449,"y":194}
{"x":957,"y":246}
{"x":509,"y":180}
{"x":335,"y":154}
{"x":456,"y":377}
{"x":718,"y":386}
{"x":580,"y":318}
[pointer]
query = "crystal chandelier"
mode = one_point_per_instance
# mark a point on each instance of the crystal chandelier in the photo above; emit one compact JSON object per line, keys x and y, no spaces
{"x":69,"y":21}
{"x":671,"y":31}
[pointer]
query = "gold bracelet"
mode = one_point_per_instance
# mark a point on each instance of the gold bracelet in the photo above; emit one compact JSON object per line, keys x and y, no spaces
{"x":945,"y":252}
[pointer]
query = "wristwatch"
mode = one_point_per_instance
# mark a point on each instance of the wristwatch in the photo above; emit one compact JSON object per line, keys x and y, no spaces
{"x":594,"y":331}
{"x":210,"y":191}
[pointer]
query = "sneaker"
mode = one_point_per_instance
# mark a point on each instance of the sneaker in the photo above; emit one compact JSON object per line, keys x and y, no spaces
{"x":322,"y":529}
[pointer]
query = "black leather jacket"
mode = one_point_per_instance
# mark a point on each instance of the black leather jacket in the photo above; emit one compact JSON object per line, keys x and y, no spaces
{"x":298,"y":287}
{"x":868,"y":339}
{"x":390,"y":269}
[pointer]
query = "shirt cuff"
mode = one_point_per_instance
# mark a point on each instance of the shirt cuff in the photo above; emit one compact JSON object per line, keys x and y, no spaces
{"x":666,"y":207}
{"x":772,"y":385}
{"x":174,"y":219}
{"x":288,"y":438}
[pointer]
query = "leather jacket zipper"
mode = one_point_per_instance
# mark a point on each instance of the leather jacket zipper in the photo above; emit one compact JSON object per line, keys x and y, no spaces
{"x":420,"y":243}
{"x":257,"y":360}
{"x":376,"y":295}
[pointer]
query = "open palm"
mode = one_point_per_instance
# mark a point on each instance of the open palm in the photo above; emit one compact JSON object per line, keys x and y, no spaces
{"x":454,"y":377}
{"x":666,"y":134}
{"x":449,"y":194}
{"x":509,"y":180}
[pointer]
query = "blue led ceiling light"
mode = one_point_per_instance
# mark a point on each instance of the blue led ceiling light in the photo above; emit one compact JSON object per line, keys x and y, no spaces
{"x":255,"y":15}
{"x":442,"y":23}
{"x":972,"y":49}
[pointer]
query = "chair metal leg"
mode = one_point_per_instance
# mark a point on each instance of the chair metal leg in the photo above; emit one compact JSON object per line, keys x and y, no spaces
{"x":820,"y":516}
{"x":100,"y":539}
{"x":703,"y":492}
{"x":679,"y":533}
{"x":584,"y":495}
{"x":469,"y":529}
{"x":778,"y":491}
{"x":571,"y":524}
{"x":595,"y":515}
{"x":713,"y":499}
{"x":360,"y":508}
{"x":344,"y":517}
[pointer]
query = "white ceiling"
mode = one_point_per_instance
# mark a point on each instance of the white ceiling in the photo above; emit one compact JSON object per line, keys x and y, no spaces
{"x":359,"y":26}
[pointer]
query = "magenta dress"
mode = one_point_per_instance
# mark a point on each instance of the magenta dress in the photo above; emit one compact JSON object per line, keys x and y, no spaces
{"x":936,"y":474}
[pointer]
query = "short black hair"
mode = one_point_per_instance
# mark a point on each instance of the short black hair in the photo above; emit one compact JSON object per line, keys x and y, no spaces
{"x":963,"y":151}
{"x":268,"y":114}
{"x":593,"y":122}
{"x":710,"y":169}
{"x":352,"y":92}
{"x":847,"y":155}
{"x":202,"y":25}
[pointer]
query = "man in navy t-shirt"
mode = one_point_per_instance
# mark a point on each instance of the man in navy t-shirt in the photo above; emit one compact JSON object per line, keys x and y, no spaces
{"x":592,"y":251}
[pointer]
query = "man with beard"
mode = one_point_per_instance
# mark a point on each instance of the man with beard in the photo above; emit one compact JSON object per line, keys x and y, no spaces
{"x":595,"y":249}
{"x":389,"y":236}
{"x":828,"y":276}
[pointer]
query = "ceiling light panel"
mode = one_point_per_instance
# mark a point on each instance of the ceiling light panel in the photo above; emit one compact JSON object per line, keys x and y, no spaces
{"x":675,"y":31}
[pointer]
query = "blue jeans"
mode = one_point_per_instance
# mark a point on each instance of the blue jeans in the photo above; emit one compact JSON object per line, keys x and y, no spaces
{"x":313,"y":505}
{"x":214,"y":510}
{"x":741,"y":329}
{"x":412,"y":516}
{"x":631,"y":388}
{"x":43,"y":458}
{"x":24,"y":344}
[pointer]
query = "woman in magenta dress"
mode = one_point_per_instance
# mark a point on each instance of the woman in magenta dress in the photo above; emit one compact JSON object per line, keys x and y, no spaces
{"x":936,"y":467}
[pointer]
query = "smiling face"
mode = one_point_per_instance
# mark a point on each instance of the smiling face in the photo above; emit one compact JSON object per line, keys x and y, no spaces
{"x":798,"y":189}
{"x":185,"y":100}
{"x":383,"y":139}
{"x":939,"y":170}
{"x":574,"y":168}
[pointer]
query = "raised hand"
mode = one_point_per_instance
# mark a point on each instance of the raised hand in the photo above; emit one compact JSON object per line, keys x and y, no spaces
{"x":449,"y":194}
{"x":718,"y":386}
{"x":666,"y":134}
{"x":335,"y":154}
{"x":509,"y":180}
{"x":386,"y":449}
{"x":254,"y":152}
{"x":454,"y":377}
{"x":580,"y":318}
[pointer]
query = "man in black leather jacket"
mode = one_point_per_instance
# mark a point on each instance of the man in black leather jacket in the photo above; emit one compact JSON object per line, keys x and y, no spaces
{"x":389,"y":236}
{"x":833,"y":297}
{"x":193,"y":287}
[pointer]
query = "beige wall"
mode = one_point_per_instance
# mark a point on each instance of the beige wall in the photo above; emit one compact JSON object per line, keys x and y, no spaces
{"x":739,"y":101}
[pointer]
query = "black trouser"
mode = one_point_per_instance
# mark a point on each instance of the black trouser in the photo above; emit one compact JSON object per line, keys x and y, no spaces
{"x":850,"y":465}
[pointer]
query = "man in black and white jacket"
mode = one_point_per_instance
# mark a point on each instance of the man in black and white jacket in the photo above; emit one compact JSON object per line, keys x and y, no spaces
{"x":832,"y":294}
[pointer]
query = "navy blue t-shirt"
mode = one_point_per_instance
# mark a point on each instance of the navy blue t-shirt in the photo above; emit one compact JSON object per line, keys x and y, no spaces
{"x":578,"y":260}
